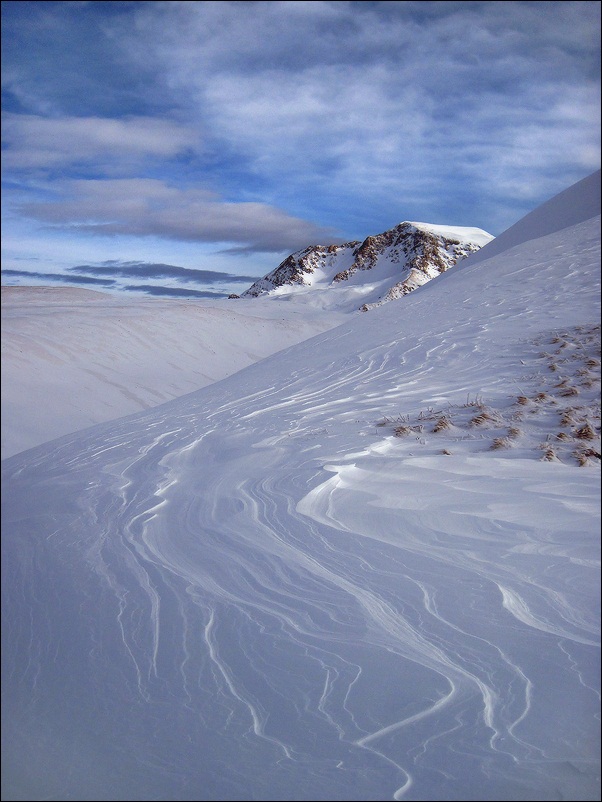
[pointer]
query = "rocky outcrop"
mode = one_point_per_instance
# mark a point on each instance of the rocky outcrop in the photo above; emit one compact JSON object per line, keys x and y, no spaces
{"x":299,"y":266}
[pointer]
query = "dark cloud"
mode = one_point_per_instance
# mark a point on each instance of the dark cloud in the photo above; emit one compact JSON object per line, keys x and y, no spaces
{"x":59,"y":277}
{"x":175,"y":292}
{"x":148,"y":289}
{"x":146,"y":270}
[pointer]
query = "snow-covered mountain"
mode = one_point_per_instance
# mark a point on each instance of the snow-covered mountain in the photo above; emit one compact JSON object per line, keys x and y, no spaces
{"x":368,"y":274}
{"x":365,"y":567}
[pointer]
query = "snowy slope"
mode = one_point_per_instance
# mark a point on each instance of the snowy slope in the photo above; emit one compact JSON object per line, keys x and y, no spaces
{"x":298,"y":583}
{"x":72,"y":357}
{"x":582,"y":201}
{"x":367,"y":274}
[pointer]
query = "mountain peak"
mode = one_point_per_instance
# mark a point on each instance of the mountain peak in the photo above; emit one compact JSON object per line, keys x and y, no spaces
{"x":382,"y":268}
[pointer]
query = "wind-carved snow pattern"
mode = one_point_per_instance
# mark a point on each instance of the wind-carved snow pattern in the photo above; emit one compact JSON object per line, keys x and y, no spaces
{"x":254,"y":592}
{"x":382,"y":268}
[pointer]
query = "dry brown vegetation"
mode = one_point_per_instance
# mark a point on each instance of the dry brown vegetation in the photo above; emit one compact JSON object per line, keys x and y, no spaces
{"x":545,"y":402}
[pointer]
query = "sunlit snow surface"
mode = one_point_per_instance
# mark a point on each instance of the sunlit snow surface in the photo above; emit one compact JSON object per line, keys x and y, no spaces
{"x":257,"y":592}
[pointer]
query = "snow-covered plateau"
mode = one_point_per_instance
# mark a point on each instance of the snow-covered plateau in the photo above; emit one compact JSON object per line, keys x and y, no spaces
{"x":365,"y":567}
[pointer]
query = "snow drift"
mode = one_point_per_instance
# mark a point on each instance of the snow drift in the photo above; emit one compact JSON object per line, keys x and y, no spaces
{"x":323,"y":577}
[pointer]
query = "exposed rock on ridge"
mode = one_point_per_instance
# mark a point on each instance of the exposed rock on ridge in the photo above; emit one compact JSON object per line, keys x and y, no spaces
{"x":300,"y":264}
{"x":399,"y":261}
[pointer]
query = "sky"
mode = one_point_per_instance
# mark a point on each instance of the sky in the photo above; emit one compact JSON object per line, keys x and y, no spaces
{"x":186,"y":148}
{"x":365,"y":567}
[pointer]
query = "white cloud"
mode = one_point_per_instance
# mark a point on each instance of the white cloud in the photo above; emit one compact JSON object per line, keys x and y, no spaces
{"x":389,"y":100}
{"x":352,"y":113}
{"x":149,"y":207}
{"x":33,"y":141}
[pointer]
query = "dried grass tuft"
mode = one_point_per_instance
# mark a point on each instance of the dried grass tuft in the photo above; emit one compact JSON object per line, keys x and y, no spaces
{"x":585,"y":455}
{"x":585,"y":432}
{"x":549,"y":455}
{"x":481,"y":419}
{"x":442,"y":424}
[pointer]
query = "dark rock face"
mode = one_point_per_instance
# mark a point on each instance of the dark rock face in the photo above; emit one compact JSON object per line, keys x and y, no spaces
{"x":298,"y":265}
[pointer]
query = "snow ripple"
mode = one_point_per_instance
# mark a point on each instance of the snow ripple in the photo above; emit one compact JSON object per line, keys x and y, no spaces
{"x":255,"y":595}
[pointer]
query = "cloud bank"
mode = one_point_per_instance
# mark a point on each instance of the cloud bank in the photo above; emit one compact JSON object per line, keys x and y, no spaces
{"x":172,"y":280}
{"x":35,"y":142}
{"x":160,"y":271}
{"x":145,"y":207}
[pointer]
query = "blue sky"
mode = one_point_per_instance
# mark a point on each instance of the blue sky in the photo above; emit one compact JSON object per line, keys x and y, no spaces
{"x":192,"y":146}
